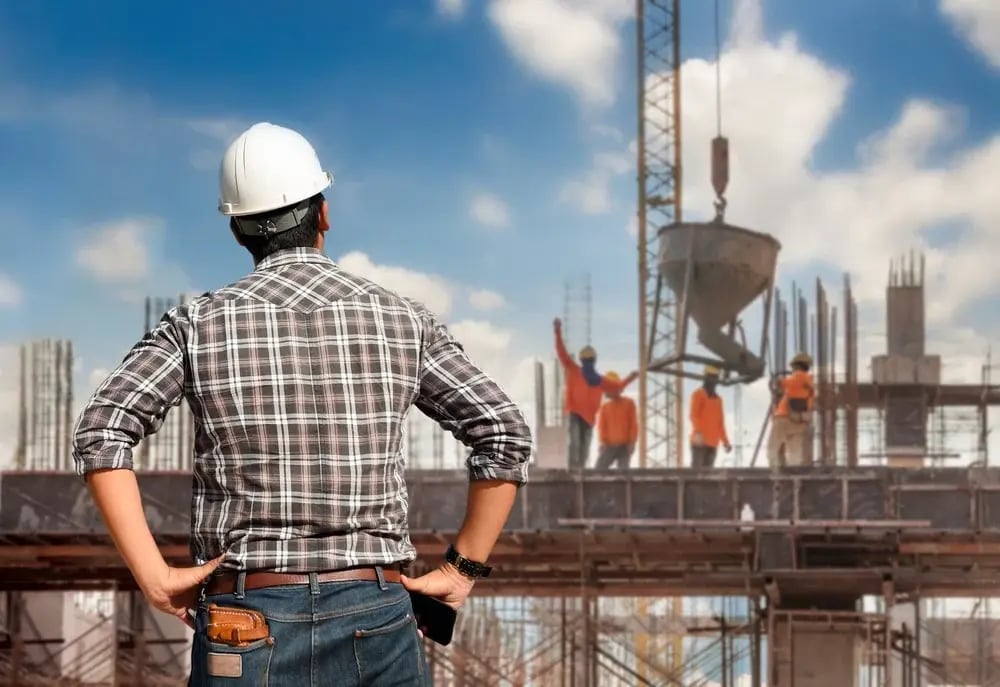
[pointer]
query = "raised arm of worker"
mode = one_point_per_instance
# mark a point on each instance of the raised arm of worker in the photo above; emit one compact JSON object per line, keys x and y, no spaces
{"x":464,"y":400}
{"x":129,"y":405}
{"x":561,"y":352}
{"x":612,"y":387}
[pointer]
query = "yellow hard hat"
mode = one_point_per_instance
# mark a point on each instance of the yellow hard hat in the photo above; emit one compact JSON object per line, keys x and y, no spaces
{"x":612,"y":376}
{"x":587,"y":353}
{"x":711,"y":371}
{"x":803,"y":359}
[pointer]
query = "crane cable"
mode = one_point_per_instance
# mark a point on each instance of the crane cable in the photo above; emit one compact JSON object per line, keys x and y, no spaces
{"x":718,"y":75}
{"x":720,"y":145}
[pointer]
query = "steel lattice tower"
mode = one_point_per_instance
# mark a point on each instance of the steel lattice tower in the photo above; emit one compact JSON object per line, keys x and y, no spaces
{"x":659,"y":173}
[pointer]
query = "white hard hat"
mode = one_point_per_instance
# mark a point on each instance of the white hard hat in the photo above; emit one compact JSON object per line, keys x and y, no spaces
{"x":266,"y":168}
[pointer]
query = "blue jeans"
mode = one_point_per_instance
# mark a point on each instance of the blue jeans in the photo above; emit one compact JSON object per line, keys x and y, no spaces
{"x":349,"y":634}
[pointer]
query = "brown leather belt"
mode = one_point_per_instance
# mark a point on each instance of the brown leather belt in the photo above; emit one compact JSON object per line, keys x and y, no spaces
{"x":226,"y":582}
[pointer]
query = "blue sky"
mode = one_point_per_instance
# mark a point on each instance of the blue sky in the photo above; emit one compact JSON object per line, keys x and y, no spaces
{"x":484,"y":145}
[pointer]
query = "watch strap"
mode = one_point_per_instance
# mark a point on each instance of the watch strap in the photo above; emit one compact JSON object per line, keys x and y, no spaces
{"x":465,"y":566}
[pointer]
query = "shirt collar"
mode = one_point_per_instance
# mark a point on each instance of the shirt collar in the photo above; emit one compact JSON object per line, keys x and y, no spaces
{"x":291,"y":256}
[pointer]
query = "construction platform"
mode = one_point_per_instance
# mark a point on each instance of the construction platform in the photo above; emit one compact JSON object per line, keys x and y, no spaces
{"x":826,"y":531}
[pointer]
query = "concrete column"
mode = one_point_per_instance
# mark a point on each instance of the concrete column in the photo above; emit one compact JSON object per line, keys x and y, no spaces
{"x":820,"y":657}
{"x":814,"y":649}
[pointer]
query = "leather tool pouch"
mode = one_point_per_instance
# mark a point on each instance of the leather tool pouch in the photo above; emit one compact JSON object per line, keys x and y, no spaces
{"x":236,"y":626}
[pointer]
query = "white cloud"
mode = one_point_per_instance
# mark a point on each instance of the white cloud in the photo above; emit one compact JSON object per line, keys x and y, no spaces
{"x":430,"y":290}
{"x":489,"y":210}
{"x":591,"y":193}
{"x":118,"y":251}
{"x":573,"y":43}
{"x":452,"y":9}
{"x":484,"y":342}
{"x":605,"y":131}
{"x":856,"y":219}
{"x":484,"y":299}
{"x":979,"y":23}
{"x":94,"y":379}
{"x":10,"y":292}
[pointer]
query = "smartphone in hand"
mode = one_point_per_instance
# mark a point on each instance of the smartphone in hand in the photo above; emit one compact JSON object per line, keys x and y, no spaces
{"x":435,"y":618}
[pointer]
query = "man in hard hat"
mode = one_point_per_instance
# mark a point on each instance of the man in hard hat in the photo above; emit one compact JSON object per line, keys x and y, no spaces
{"x":300,"y":376}
{"x":617,"y":428}
{"x":584,"y":388}
{"x":708,"y":421}
{"x":791,"y":423}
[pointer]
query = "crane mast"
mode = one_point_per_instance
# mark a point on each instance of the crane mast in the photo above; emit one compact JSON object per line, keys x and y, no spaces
{"x":659,"y":182}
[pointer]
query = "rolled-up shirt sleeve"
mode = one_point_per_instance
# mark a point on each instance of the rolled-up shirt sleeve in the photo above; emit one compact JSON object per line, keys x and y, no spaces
{"x":467,"y":402}
{"x":132,"y":402}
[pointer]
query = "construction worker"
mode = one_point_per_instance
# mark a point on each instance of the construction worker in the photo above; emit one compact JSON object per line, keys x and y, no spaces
{"x":617,"y":428}
{"x":585,"y":387}
{"x":708,"y":421}
{"x":300,"y":376}
{"x":792,"y":414}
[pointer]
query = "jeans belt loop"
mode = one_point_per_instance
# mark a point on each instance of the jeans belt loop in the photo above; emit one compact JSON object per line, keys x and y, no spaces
{"x":241,"y":581}
{"x":314,"y":584}
{"x":381,"y":578}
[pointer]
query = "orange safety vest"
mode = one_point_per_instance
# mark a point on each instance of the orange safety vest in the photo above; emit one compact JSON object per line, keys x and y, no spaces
{"x":707,"y":418}
{"x":618,"y":423}
{"x":797,"y":394}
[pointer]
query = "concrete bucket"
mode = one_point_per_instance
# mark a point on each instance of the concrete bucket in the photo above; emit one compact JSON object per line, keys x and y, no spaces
{"x":723,"y":269}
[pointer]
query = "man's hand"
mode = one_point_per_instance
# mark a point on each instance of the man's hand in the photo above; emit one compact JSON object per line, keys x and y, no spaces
{"x":729,"y":447}
{"x":444,"y":583}
{"x":175,"y":590}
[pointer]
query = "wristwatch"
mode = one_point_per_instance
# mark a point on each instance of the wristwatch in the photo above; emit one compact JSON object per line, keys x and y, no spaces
{"x":468,"y":568}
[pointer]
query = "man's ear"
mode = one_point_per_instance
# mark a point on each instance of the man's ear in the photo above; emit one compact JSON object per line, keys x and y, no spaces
{"x":236,"y":233}
{"x":324,"y":217}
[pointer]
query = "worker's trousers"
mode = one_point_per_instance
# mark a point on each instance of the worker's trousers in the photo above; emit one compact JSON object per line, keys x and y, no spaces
{"x":610,"y":455}
{"x":790,"y":434}
{"x":703,"y":456}
{"x":580,"y":434}
{"x":349,"y":634}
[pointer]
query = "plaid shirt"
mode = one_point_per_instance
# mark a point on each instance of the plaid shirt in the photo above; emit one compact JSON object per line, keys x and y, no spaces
{"x":300,"y":376}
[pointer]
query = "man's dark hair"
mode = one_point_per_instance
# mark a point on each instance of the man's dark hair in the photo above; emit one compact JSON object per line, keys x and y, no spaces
{"x":801,"y":366}
{"x":302,"y":236}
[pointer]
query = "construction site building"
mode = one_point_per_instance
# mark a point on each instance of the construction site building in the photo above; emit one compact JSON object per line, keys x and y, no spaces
{"x":846,"y":575}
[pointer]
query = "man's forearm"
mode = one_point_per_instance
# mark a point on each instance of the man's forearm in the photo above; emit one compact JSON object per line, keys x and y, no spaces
{"x":486,"y":512}
{"x":116,"y":493}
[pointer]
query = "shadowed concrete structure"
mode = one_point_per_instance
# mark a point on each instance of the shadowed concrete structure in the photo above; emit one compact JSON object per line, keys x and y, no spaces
{"x":655,"y":532}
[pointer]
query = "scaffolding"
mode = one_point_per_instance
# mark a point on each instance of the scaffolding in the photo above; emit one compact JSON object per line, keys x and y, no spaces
{"x":658,"y":68}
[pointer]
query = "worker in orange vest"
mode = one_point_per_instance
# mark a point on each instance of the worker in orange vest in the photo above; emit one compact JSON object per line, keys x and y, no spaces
{"x":585,"y":387}
{"x":790,"y":429}
{"x":617,"y":428}
{"x":708,"y":422}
